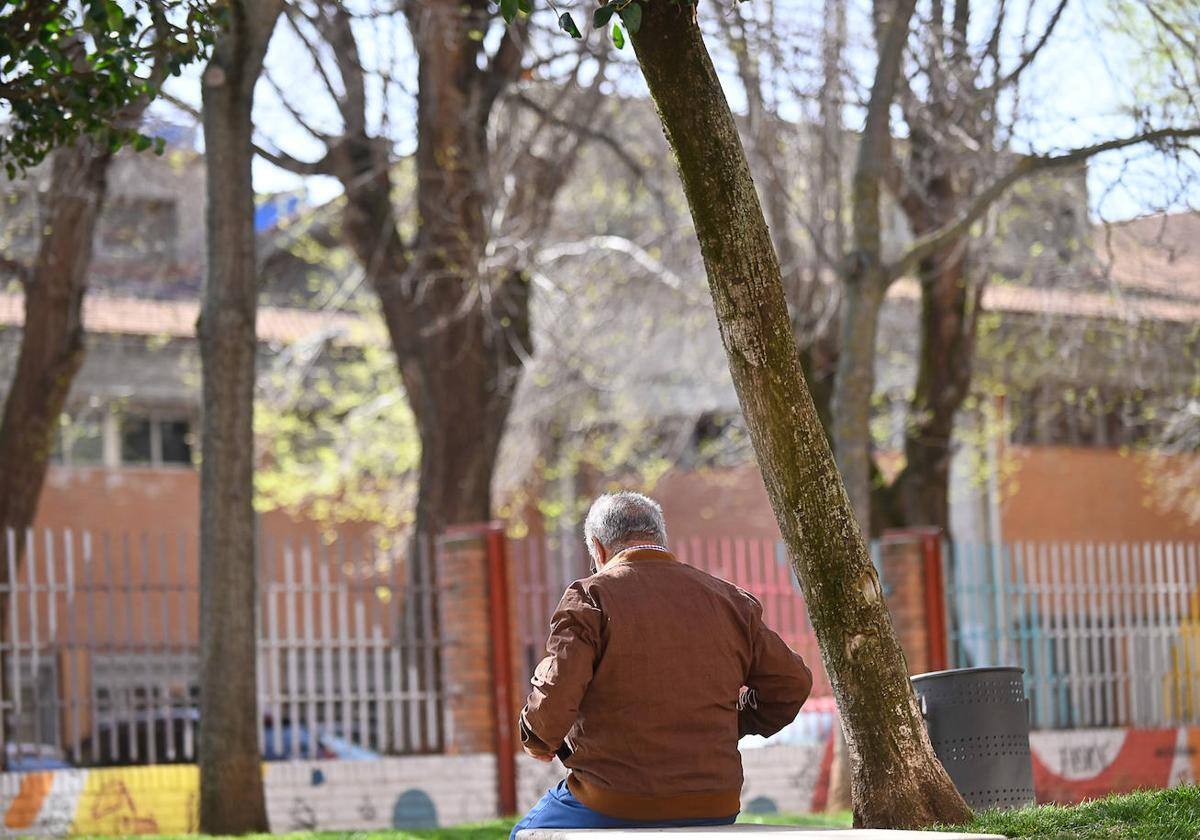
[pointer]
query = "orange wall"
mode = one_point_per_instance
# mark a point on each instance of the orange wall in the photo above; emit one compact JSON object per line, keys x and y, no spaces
{"x":137,"y":500}
{"x":1101,"y":495}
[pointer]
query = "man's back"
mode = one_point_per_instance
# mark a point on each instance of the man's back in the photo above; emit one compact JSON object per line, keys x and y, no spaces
{"x":647,"y":662}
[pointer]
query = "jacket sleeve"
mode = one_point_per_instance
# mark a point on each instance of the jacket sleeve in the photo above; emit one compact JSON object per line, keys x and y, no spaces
{"x":560,"y":680}
{"x":778,"y":682}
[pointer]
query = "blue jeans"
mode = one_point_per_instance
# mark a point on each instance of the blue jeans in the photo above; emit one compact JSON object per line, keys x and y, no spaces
{"x":560,"y":809}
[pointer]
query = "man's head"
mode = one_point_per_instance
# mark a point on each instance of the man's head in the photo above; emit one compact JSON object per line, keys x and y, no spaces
{"x":618,"y":521}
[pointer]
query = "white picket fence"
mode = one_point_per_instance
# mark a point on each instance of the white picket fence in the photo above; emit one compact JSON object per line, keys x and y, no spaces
{"x":100,"y":647}
{"x":1108,"y":634}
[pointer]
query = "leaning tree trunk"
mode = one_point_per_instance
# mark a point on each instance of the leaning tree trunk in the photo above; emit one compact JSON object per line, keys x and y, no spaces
{"x":52,"y":348}
{"x":231,"y":785}
{"x":897,"y":780}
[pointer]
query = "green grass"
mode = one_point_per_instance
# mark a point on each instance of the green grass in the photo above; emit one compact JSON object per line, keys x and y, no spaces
{"x":1149,"y":815}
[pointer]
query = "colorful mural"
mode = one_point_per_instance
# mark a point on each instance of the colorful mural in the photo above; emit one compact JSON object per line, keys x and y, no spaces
{"x":1072,"y":765}
{"x":429,"y":791}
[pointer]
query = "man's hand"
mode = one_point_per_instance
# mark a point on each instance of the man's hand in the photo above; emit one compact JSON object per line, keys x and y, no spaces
{"x":546,"y":757}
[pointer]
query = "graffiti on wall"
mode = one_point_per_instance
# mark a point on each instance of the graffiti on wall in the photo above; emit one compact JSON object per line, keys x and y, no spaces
{"x":1072,"y":765}
{"x":422,"y":792}
{"x":432,"y":791}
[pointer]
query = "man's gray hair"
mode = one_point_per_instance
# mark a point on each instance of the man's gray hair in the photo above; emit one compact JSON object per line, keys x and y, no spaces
{"x":625,"y":518}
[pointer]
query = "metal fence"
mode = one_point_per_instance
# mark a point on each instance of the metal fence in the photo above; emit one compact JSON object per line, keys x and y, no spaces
{"x":543,"y":567}
{"x":1108,"y":634}
{"x":100,"y":648}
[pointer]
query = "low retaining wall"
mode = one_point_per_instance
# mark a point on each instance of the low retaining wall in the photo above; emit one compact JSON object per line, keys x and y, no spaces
{"x":416,"y":792}
{"x":430,"y":791}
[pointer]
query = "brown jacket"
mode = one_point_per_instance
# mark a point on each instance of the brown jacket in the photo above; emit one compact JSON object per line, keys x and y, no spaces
{"x":644,"y":681}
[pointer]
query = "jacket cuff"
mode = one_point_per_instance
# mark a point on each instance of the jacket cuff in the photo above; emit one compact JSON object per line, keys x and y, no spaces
{"x":530,"y":740}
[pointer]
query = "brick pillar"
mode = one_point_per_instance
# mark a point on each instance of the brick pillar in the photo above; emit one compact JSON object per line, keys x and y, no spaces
{"x":915,"y":595}
{"x":478,"y":659}
{"x":466,"y":660}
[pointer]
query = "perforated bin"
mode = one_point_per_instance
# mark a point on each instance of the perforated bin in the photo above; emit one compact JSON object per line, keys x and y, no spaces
{"x":978,"y":721}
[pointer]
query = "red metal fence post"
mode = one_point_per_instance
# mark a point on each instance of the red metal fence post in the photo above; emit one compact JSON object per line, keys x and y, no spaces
{"x":502,"y":669}
{"x":935,"y":598}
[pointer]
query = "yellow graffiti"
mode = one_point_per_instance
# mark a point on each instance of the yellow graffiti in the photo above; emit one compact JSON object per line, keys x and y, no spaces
{"x":1182,"y":700}
{"x":138,"y":800}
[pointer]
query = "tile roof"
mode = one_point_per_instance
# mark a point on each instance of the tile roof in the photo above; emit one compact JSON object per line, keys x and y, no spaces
{"x":177,"y":318}
{"x":1082,"y":304}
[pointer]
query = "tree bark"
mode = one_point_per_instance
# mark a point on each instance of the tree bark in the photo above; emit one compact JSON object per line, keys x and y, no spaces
{"x":460,"y":336}
{"x":863,"y":292}
{"x":52,"y":343}
{"x":949,"y":310}
{"x":897,"y":780}
{"x":231,"y":786}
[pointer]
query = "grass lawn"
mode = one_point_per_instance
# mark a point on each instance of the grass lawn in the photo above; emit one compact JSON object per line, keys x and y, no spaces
{"x":1151,"y":815}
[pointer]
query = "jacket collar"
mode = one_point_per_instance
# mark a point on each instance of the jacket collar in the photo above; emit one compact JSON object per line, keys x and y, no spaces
{"x":638,"y":553}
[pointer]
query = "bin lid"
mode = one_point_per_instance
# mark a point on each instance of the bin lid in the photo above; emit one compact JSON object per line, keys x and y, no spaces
{"x":953,"y":672}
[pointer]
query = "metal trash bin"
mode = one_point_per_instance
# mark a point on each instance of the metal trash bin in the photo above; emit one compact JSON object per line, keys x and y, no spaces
{"x":978,"y":722}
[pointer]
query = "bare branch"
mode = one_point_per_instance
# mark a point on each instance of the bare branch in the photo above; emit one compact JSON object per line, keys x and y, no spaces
{"x":300,"y":167}
{"x":1028,"y":57}
{"x":931,"y":242}
{"x":587,"y":131}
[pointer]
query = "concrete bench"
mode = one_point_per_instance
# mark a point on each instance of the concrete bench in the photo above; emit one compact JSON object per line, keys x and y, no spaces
{"x":730,"y":832}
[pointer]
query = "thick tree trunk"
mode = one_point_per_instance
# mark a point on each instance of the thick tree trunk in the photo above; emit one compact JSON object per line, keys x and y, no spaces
{"x":459,"y":335}
{"x":231,"y":786}
{"x":948,"y":317}
{"x":460,"y":374}
{"x":897,"y":780}
{"x":52,"y":343}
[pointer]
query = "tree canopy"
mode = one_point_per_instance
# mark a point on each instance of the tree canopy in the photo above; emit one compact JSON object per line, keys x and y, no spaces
{"x":70,"y":68}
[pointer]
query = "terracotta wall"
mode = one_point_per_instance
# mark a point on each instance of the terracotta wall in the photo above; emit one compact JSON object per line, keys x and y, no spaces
{"x":1097,"y":495}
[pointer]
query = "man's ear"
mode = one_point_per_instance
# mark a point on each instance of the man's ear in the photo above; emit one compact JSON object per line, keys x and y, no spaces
{"x":598,"y":553}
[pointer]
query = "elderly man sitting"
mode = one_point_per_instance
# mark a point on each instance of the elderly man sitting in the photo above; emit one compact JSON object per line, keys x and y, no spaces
{"x":655,"y":670}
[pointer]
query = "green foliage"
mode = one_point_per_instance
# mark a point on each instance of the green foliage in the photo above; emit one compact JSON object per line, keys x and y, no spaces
{"x":618,"y":36}
{"x":337,"y":440}
{"x":69,"y":67}
{"x":567,"y":24}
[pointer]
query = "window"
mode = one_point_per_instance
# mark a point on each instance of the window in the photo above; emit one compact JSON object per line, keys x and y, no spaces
{"x":176,"y":442}
{"x":135,"y":440}
{"x":102,"y":436}
{"x":155,"y":440}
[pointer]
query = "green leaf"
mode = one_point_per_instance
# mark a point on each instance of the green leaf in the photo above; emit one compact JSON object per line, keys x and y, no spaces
{"x":508,"y":10}
{"x":567,"y":24}
{"x":618,"y":36}
{"x":525,"y":6}
{"x":631,"y":16}
{"x":602,"y":16}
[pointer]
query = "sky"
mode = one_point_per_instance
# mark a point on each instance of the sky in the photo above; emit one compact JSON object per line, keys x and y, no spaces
{"x":1080,"y":92}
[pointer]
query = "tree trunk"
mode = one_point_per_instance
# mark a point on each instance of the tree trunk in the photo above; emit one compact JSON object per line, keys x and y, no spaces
{"x":52,"y":344}
{"x":460,"y":337}
{"x":460,"y":374}
{"x":897,"y":780}
{"x":854,"y":385}
{"x":231,"y":786}
{"x":948,"y":315}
